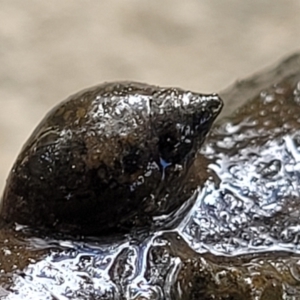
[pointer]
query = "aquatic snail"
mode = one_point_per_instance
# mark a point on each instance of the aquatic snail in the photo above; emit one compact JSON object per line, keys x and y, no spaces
{"x":111,"y":157}
{"x":239,"y":239}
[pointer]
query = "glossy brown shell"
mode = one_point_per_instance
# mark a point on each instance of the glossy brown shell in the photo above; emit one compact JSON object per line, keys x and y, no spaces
{"x":110,"y":157}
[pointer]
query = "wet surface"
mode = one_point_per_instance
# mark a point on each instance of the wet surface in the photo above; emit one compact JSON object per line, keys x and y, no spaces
{"x":255,"y":178}
{"x":239,"y":240}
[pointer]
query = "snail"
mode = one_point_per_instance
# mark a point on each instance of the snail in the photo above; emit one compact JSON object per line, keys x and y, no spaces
{"x":109,"y":158}
{"x":238,"y":239}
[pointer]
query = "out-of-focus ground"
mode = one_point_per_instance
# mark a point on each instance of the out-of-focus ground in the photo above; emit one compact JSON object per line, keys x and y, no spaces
{"x":51,"y":49}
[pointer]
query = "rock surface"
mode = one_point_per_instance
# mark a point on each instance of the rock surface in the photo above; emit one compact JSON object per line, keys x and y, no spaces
{"x":239,"y":241}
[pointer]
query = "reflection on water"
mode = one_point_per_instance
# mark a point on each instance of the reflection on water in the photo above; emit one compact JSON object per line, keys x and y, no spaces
{"x":256,"y":181}
{"x":240,"y":239}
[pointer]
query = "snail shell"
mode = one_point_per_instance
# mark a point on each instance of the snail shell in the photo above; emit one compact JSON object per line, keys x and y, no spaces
{"x":108,"y":157}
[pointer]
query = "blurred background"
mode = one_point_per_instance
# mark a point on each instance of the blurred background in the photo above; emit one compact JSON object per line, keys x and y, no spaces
{"x":51,"y":49}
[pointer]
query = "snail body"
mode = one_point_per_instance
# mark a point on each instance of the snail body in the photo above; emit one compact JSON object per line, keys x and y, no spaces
{"x":109,"y":157}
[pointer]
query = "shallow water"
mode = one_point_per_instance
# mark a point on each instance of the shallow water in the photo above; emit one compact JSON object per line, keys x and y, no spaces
{"x":237,"y":238}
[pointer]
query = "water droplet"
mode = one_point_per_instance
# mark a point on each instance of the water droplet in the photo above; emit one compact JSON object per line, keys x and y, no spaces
{"x":295,"y":271}
{"x":270,"y":169}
